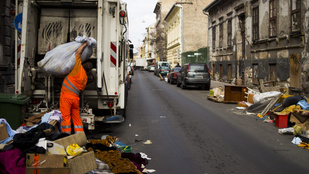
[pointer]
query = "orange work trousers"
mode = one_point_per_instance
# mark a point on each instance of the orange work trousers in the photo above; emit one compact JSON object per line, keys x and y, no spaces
{"x":69,"y":107}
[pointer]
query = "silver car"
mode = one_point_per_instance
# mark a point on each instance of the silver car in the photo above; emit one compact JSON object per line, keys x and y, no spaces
{"x":194,"y":74}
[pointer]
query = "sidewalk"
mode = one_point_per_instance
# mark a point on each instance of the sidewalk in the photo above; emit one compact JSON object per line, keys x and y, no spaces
{"x":214,"y":84}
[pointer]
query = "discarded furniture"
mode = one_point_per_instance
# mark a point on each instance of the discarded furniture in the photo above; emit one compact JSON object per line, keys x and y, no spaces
{"x":265,"y":87}
{"x":235,"y":93}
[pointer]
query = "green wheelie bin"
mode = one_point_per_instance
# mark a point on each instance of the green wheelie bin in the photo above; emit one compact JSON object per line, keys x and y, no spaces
{"x":13,"y":108}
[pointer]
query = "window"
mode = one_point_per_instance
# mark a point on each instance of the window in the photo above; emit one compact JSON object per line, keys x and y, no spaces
{"x":221,"y":33}
{"x":220,"y":71}
{"x":255,"y":24}
{"x":229,"y":33}
{"x":272,"y":72}
{"x":229,"y":72}
{"x":272,"y":18}
{"x":295,"y":15}
{"x":213,"y":38}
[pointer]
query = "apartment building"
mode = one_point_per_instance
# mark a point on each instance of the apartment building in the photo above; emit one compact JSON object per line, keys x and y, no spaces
{"x":260,"y":39}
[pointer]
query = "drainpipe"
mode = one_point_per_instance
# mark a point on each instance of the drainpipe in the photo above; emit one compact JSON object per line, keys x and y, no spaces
{"x":207,"y":14}
{"x":181,"y":32}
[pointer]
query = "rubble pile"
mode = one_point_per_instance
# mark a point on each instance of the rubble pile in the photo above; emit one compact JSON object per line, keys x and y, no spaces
{"x":39,"y":146}
{"x":289,"y":113}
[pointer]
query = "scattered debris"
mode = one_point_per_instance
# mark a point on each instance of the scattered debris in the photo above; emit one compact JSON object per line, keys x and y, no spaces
{"x":147,"y":142}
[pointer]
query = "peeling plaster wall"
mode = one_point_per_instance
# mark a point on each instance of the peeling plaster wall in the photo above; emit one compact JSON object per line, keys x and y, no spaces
{"x":267,"y":50}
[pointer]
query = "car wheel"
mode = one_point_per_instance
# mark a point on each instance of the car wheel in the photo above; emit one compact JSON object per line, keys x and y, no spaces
{"x":183,"y":86}
{"x":207,"y":86}
{"x":177,"y":83}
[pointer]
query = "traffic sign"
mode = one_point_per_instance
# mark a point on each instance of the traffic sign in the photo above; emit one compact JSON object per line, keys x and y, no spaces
{"x":18,"y":21}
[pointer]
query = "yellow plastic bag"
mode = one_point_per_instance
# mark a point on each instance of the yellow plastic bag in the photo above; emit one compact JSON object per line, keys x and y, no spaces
{"x":74,"y":150}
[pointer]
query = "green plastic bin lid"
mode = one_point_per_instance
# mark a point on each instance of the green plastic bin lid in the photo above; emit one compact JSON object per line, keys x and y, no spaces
{"x":14,"y":98}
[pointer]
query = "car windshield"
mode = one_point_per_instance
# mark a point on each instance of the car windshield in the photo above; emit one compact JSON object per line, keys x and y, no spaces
{"x":177,"y":69}
{"x":164,"y":64}
{"x":197,"y":68}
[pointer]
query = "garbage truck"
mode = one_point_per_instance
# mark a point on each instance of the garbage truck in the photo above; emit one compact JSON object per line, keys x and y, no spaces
{"x":46,"y":24}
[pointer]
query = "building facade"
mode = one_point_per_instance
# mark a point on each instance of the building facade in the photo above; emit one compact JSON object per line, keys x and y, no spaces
{"x":260,"y":39}
{"x":149,"y":41}
{"x":186,"y":29}
{"x":161,"y":9}
{"x":7,"y":42}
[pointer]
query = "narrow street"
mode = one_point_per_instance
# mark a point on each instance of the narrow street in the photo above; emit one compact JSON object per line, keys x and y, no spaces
{"x":191,"y":134}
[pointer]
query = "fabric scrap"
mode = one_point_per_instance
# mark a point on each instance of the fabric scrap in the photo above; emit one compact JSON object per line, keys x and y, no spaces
{"x":10,"y":131}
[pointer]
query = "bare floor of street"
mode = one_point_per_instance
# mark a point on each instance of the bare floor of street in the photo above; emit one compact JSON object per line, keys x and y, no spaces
{"x":183,"y":132}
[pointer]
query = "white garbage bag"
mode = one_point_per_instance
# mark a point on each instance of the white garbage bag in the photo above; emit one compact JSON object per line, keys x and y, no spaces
{"x":61,"y":60}
{"x":265,"y":95}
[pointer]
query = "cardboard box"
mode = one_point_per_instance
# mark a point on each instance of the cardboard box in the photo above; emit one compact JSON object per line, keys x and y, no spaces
{"x":63,"y":170}
{"x":79,"y":138}
{"x":83,"y":163}
{"x":46,"y":164}
{"x":3,"y":132}
{"x":45,"y":160}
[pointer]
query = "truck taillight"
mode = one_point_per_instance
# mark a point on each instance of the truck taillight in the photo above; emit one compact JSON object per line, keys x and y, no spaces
{"x":122,"y":14}
{"x":110,"y":104}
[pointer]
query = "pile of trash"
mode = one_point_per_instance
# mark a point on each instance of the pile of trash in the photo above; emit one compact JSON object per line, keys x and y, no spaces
{"x":39,"y":146}
{"x":289,"y":113}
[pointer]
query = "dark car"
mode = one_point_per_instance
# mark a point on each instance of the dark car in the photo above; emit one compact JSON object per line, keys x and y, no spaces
{"x":194,"y":74}
{"x":172,"y":76}
{"x":163,"y":70}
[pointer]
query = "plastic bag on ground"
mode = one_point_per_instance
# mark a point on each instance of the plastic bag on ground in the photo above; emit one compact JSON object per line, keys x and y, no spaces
{"x":61,"y":60}
{"x":265,"y":95}
{"x":74,"y":150}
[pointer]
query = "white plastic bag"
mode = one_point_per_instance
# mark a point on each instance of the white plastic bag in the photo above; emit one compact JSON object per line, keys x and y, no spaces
{"x":61,"y":60}
{"x":265,"y":95}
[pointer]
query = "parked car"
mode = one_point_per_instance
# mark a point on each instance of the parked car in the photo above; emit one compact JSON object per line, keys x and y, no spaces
{"x":163,"y":70}
{"x":158,"y":65}
{"x":131,"y":70}
{"x":151,"y":68}
{"x":172,"y":76}
{"x":194,"y":74}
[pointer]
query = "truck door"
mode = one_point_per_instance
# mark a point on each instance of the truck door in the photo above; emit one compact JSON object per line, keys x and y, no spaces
{"x":59,"y":26}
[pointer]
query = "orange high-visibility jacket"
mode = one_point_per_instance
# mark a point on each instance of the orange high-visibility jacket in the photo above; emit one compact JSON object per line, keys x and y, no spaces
{"x":76,"y":81}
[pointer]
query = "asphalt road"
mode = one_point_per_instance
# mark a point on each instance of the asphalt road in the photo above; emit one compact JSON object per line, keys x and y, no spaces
{"x":192,"y":135}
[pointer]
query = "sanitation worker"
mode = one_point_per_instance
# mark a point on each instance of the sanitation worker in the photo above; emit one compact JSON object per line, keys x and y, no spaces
{"x":69,"y":98}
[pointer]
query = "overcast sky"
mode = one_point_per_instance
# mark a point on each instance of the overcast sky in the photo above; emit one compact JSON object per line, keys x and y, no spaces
{"x":140,"y":17}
